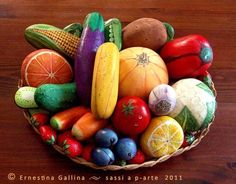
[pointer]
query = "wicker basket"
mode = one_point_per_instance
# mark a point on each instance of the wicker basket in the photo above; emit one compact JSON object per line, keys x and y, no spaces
{"x":79,"y":160}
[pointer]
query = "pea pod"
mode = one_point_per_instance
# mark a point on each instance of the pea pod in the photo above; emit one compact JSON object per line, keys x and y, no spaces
{"x":113,"y":32}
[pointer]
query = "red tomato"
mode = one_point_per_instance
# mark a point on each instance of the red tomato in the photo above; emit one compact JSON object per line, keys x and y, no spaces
{"x":131,"y":115}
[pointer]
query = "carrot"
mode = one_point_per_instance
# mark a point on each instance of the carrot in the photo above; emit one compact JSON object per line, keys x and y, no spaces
{"x":87,"y":126}
{"x":65,"y":119}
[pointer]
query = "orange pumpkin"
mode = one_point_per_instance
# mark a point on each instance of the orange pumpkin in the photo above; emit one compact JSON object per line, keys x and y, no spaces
{"x":141,"y":69}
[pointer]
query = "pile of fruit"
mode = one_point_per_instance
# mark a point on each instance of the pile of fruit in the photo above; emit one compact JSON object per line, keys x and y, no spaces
{"x":114,"y":96}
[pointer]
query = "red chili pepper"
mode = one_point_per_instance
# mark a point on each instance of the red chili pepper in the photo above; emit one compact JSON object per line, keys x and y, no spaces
{"x":188,"y":56}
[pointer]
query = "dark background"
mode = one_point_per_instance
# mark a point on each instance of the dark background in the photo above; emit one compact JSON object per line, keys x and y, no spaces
{"x":22,"y":152}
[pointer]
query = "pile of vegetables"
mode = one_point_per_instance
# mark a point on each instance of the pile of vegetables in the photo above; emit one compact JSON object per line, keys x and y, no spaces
{"x":103,"y":93}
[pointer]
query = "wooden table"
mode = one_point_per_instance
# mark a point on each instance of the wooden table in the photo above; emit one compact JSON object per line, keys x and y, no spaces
{"x":24,"y":154}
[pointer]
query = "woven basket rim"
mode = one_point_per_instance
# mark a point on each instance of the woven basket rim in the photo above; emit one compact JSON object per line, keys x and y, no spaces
{"x":149,"y":163}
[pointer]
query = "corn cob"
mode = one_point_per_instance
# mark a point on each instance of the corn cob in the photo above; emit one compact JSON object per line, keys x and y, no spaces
{"x":47,"y":36}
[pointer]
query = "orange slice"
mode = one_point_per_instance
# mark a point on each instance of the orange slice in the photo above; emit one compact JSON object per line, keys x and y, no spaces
{"x":45,"y":66}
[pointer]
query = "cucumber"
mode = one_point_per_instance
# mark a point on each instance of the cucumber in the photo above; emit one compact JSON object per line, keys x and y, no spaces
{"x":92,"y":37}
{"x":56,"y":97}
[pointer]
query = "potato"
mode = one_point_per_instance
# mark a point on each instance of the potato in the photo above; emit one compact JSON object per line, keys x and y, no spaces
{"x":144,"y":32}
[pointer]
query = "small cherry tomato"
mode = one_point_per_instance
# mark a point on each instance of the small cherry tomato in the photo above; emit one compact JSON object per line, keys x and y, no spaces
{"x":188,"y":140}
{"x":139,"y":158}
{"x":48,"y":135}
{"x":63,"y":136}
{"x":87,"y":151}
{"x":72,"y":147}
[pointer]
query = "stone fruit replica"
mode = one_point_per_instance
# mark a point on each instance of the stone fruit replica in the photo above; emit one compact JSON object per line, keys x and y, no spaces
{"x":105,"y":81}
{"x":106,"y":138}
{"x":194,"y":108}
{"x":162,"y":99}
{"x":163,"y":136}
{"x":126,"y":149}
{"x":137,"y":33}
{"x":131,"y":116}
{"x":141,"y":69}
{"x":51,"y":37}
{"x":113,"y":98}
{"x":189,"y":56}
{"x":103,"y":156}
{"x":92,"y":37}
{"x":56,"y":97}
{"x":50,"y":66}
{"x":24,"y":97}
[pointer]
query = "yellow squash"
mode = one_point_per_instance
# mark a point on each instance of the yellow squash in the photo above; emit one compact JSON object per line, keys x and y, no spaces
{"x":105,"y":81}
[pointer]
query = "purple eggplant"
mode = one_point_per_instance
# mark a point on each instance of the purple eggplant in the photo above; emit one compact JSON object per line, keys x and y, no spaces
{"x":92,"y":37}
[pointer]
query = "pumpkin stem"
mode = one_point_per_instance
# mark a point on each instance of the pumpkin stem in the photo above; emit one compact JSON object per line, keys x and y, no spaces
{"x":143,"y":59}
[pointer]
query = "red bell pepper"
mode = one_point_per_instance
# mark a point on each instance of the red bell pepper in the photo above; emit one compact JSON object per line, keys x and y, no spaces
{"x":188,"y":56}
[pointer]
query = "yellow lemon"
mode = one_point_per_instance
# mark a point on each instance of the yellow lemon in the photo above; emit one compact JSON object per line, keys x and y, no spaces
{"x":163,"y":136}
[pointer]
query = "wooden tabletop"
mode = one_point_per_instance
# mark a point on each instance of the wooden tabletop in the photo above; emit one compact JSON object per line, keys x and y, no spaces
{"x":24,"y":155}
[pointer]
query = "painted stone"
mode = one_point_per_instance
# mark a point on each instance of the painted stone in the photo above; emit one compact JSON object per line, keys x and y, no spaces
{"x":195,"y":104}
